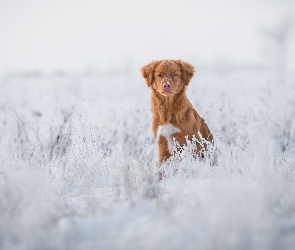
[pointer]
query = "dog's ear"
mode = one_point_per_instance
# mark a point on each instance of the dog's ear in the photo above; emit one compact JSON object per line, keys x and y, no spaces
{"x":187,"y":71}
{"x":147,"y":72}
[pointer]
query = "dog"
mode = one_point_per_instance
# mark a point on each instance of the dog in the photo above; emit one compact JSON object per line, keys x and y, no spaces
{"x":173,"y":116}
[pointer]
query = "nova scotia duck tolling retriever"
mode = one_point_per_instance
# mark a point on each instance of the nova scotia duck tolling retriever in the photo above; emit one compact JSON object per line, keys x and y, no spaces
{"x":172,"y":113}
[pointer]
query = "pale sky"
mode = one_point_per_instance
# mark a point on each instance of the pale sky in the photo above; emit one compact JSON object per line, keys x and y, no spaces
{"x":48,"y":35}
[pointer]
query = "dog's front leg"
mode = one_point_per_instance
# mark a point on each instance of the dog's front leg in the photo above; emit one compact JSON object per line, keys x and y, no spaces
{"x":163,"y":152}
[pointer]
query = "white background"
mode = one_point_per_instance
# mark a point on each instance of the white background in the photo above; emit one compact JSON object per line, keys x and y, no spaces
{"x":78,"y":35}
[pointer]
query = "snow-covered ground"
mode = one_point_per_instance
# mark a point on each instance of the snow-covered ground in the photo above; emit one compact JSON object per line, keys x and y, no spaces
{"x":78,"y":164}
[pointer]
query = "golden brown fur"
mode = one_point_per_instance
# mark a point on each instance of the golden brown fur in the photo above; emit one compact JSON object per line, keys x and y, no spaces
{"x":168,"y":80}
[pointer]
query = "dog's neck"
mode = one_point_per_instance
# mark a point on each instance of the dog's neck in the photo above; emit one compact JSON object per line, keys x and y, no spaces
{"x":169,"y":109}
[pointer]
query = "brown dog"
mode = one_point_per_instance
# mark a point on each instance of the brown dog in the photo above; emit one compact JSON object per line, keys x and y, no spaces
{"x":173,"y":114}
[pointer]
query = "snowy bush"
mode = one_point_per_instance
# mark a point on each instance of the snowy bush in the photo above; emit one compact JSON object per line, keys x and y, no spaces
{"x":79,"y":170}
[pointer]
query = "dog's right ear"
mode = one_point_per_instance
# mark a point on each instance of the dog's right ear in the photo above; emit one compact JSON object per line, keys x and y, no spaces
{"x":147,"y":72}
{"x":187,"y":71}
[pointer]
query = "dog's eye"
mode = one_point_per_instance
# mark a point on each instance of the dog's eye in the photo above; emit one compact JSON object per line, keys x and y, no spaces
{"x":160,"y":75}
{"x":175,"y":75}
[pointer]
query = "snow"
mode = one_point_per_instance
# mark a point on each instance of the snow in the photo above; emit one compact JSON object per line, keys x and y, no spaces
{"x":78,"y":164}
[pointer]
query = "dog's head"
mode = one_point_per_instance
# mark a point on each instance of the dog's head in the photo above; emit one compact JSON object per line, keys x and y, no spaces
{"x":168,"y":77}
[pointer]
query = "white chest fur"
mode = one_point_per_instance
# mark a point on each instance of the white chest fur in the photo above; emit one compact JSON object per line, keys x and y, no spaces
{"x":167,"y":131}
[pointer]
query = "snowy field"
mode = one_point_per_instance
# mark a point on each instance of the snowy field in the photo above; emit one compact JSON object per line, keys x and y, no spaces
{"x":78,"y":164}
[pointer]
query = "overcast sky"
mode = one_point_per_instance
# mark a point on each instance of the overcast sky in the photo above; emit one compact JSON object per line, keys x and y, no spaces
{"x":76,"y":34}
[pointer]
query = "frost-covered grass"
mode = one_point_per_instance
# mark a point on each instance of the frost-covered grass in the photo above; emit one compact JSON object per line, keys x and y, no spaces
{"x":78,"y":165}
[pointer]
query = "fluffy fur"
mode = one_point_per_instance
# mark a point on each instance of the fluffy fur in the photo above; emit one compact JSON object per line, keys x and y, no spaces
{"x":173,"y":114}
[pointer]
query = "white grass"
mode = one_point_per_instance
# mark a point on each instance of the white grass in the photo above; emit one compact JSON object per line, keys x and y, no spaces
{"x":78,"y":165}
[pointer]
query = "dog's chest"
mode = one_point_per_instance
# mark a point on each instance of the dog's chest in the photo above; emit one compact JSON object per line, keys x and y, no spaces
{"x":167,"y":132}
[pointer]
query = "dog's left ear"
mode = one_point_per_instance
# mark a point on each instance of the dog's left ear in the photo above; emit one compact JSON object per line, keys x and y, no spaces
{"x":148,"y":72}
{"x":187,"y":71}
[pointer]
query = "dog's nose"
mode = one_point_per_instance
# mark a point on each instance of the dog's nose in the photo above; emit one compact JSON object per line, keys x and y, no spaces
{"x":166,"y":85}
